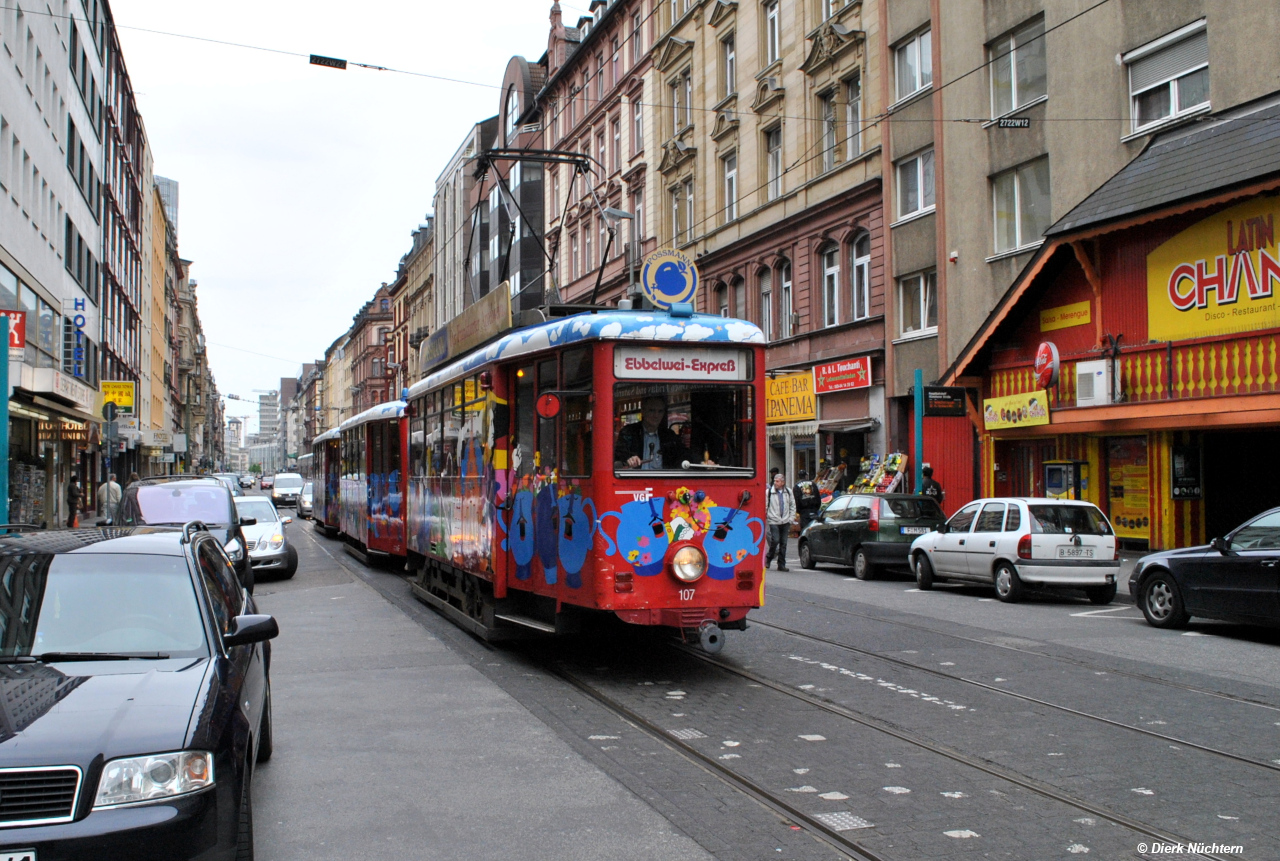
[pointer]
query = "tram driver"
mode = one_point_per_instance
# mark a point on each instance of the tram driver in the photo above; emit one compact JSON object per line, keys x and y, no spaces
{"x":649,"y":443}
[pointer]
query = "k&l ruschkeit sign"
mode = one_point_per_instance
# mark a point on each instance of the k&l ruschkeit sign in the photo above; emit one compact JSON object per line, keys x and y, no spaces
{"x":1218,"y":276}
{"x":844,"y":374}
{"x":680,"y":363}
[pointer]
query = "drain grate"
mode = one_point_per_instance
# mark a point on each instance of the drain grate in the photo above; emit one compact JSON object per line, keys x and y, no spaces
{"x":842,"y":821}
{"x":687,"y":734}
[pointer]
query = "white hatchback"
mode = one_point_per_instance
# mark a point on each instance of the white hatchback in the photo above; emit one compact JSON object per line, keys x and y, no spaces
{"x":1057,"y":543}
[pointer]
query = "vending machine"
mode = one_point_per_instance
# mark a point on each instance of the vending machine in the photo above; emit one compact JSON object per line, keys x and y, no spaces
{"x":1066,"y":479}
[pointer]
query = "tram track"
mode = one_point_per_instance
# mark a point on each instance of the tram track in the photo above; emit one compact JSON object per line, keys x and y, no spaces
{"x":941,"y":674}
{"x":1155,"y":680}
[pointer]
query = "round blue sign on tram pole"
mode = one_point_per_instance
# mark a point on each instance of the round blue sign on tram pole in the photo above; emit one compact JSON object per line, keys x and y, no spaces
{"x":669,"y":278}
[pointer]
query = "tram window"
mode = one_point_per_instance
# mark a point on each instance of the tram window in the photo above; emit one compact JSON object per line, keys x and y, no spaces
{"x":377,"y":448}
{"x":362,"y":454}
{"x":522,"y":445}
{"x":662,"y":425}
{"x":418,"y":438}
{"x":547,"y":438}
{"x":575,"y":448}
{"x":391,"y":453}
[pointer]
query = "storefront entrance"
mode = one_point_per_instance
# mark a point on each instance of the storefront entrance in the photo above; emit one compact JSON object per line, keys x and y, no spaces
{"x":1240,"y":469}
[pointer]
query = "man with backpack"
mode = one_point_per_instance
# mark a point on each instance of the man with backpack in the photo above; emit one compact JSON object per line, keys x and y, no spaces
{"x":808,"y":498}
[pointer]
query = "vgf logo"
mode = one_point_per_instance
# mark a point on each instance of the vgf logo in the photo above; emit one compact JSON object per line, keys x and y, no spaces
{"x":637,"y":495}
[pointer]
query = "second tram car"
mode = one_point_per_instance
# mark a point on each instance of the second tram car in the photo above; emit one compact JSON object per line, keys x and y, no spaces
{"x":605,"y":461}
{"x":326,"y":468}
{"x":372,"y":487}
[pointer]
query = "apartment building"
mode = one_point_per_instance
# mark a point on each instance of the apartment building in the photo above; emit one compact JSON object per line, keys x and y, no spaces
{"x":457,"y":234}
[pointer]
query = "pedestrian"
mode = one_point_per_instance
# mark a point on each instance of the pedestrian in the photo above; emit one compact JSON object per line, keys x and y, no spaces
{"x":929,"y":487}
{"x":74,"y":495}
{"x":109,"y":498}
{"x":808,"y":499}
{"x":780,"y":510}
{"x":773,"y":474}
{"x":133,"y":476}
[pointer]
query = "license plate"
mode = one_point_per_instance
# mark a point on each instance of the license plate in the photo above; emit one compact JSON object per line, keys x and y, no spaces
{"x":1075,"y":552}
{"x":913,"y":530}
{"x":20,"y":855}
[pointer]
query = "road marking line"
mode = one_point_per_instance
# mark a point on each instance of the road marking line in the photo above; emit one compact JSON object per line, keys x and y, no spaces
{"x":1105,"y":610}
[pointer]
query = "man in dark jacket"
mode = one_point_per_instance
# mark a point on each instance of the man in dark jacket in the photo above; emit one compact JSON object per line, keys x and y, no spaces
{"x":649,"y":443}
{"x":74,"y":495}
{"x":808,"y":499}
{"x":929,"y":487}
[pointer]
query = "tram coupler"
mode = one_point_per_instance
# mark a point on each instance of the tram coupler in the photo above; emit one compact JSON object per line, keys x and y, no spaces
{"x":711,"y":637}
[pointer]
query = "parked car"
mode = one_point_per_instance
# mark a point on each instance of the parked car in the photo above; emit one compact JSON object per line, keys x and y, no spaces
{"x":286,"y":488}
{"x":246,"y":480}
{"x":267,"y":482}
{"x":1057,"y":543}
{"x":1235,"y":578}
{"x":868,"y":531}
{"x":233,"y":485}
{"x":305,"y":500}
{"x":175,"y":500}
{"x":142,"y":671}
{"x":268,"y":545}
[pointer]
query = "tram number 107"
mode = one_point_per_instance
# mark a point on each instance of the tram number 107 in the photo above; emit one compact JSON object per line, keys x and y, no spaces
{"x":686,"y":594}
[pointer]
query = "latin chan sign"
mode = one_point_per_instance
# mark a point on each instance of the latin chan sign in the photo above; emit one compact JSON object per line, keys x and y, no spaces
{"x":1219,"y":276}
{"x":789,"y":398}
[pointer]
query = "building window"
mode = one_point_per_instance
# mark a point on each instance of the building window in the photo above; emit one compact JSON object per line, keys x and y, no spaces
{"x":555,"y":191}
{"x":677,"y":212}
{"x":739,"y":290}
{"x":617,"y":143}
{"x":786,"y":313}
{"x":729,"y":65}
{"x":1169,"y":77}
{"x":827,"y":107}
{"x":772,"y":33}
{"x":722,"y":301}
{"x":637,"y":37}
{"x":615,"y":61}
{"x":914,"y":64}
{"x":918,"y":303}
{"x":688,"y":99}
{"x":513,"y":114}
{"x":573,"y":256}
{"x":677,"y":107}
{"x":688,"y":210}
{"x":766,"y":303}
{"x":830,"y":7}
{"x":1017,"y":67}
{"x":773,"y":163}
{"x":853,"y":116}
{"x":1020,"y":202}
{"x":601,"y":228}
{"x":637,"y":212}
{"x":729,"y":165}
{"x":599,"y":77}
{"x":915,"y":184}
{"x":830,"y":255}
{"x":637,"y":127}
{"x":587,"y":260}
{"x":861,"y":272}
{"x":600,"y":154}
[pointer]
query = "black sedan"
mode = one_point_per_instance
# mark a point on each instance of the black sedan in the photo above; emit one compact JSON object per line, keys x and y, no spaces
{"x":135,"y":696}
{"x":1235,"y":578}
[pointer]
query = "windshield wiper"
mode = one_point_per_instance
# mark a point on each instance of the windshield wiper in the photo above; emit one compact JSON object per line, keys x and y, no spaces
{"x":17,"y":659}
{"x":53,"y":657}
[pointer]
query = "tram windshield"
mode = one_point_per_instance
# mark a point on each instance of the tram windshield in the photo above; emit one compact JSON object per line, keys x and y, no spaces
{"x":683,"y":426}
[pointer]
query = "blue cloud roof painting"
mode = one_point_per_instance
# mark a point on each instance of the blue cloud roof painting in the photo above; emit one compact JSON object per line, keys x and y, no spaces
{"x":389,"y":410}
{"x":607,"y":326}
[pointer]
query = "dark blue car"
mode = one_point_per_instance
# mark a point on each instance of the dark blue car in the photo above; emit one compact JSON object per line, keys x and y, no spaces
{"x":135,"y":696}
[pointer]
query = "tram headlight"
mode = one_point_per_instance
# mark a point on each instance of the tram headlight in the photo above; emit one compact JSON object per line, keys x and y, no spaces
{"x":689,"y":563}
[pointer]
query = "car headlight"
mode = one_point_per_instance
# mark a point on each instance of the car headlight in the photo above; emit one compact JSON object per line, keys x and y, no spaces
{"x":689,"y":563}
{"x":234,"y":549}
{"x":146,"y":778}
{"x":276,"y":542}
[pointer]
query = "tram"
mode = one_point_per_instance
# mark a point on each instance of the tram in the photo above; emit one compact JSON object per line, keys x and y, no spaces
{"x":326,"y":467}
{"x":306,"y":466}
{"x":608,"y":461}
{"x":371,"y":490}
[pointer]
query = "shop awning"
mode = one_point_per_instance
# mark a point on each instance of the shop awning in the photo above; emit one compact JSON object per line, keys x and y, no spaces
{"x":848,"y":425}
{"x":793,"y":428}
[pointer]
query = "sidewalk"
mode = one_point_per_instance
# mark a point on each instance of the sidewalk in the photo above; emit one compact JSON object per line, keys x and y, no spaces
{"x":388,"y":745}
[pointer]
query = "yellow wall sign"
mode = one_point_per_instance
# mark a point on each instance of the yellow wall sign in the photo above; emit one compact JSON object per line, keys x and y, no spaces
{"x":1065,"y":316}
{"x":1220,"y":275}
{"x":790,"y":399}
{"x":120,"y":393}
{"x":1016,"y":411}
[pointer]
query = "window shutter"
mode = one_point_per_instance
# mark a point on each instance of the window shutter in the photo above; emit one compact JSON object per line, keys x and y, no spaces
{"x":1169,"y":62}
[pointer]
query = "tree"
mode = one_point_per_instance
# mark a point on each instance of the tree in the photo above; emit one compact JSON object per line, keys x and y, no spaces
{"x":255,"y":468}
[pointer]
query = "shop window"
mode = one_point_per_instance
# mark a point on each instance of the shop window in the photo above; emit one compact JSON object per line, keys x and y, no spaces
{"x":1020,"y":205}
{"x":1017,"y":64}
{"x":1169,"y":78}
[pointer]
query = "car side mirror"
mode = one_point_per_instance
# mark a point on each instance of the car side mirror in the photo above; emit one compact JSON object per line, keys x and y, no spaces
{"x":1222,"y":545}
{"x":248,"y":521}
{"x":943,"y":528}
{"x":250,"y":629}
{"x":286,"y":519}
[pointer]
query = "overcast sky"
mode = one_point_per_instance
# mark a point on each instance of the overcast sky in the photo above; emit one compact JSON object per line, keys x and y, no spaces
{"x":300,"y":185}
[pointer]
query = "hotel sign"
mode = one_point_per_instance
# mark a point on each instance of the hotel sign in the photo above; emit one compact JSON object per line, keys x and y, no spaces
{"x":1217,"y":277}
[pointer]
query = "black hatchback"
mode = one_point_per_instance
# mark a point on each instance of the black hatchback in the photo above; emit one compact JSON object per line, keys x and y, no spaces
{"x":136,"y":696}
{"x":175,"y":500}
{"x":1235,"y":578}
{"x":868,"y":531}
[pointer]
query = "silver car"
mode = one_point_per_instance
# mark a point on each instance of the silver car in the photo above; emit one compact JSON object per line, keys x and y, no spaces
{"x":1011,"y":542}
{"x":305,"y":499}
{"x":265,"y":539}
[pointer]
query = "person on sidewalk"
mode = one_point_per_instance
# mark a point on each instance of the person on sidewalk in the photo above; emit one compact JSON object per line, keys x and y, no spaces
{"x":808,"y":499}
{"x":929,"y":487}
{"x":109,"y":497}
{"x":74,"y":495}
{"x":780,"y":510}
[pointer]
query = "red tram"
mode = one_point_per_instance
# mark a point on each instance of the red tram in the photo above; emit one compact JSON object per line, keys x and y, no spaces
{"x":326,"y":468}
{"x":605,"y":461}
{"x":371,"y":490}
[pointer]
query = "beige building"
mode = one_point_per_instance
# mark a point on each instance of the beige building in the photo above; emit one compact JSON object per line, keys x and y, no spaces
{"x":419,"y":299}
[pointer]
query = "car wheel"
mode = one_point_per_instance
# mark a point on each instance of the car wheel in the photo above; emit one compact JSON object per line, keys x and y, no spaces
{"x":1101,"y":594}
{"x":806,"y":561}
{"x":1008,"y":584}
{"x":244,"y":832}
{"x":1162,"y":602}
{"x":924,"y":573}
{"x":291,"y":567}
{"x":265,"y":746}
{"x":862,"y":567}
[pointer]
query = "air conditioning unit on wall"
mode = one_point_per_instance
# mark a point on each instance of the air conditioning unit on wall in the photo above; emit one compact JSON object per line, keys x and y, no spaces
{"x":1094,"y":381}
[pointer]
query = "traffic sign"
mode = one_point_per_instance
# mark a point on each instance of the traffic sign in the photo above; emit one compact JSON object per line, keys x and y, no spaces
{"x":109,"y":411}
